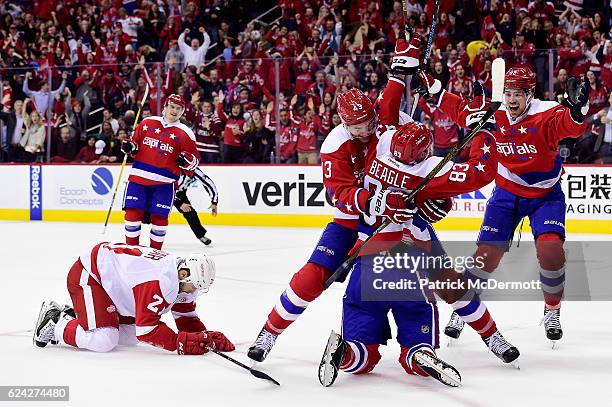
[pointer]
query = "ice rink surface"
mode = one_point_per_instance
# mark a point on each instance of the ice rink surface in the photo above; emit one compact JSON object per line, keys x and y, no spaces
{"x":253,"y":267}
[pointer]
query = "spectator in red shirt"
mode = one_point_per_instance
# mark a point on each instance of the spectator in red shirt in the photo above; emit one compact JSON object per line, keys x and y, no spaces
{"x":446,"y":132}
{"x":233,"y":146}
{"x":287,"y":138}
{"x":598,"y":94}
{"x":308,"y":131}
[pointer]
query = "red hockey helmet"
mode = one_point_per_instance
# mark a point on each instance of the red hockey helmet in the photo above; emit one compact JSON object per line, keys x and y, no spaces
{"x":412,"y":143}
{"x":356,"y":109}
{"x":176,"y":99}
{"x":520,"y":78}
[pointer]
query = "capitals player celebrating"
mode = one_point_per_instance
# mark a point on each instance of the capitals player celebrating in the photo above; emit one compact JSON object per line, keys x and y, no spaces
{"x":162,"y":147}
{"x":119,"y":293}
{"x":343,"y":157}
{"x":527,"y":134}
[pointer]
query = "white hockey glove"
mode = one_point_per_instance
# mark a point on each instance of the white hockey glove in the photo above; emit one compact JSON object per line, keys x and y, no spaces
{"x":391,"y":205}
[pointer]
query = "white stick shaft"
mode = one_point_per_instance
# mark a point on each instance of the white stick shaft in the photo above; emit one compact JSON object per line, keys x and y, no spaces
{"x":498,"y":74}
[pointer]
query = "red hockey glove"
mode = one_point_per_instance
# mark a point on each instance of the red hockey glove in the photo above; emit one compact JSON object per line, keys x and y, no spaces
{"x":432,"y":85}
{"x":128,"y":147}
{"x":434,"y":210}
{"x":220,"y":342}
{"x":391,"y":205}
{"x":193,"y":343}
{"x":406,"y":58}
{"x":187,"y":161}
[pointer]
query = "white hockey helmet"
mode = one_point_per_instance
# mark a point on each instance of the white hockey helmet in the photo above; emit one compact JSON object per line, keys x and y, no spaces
{"x":201,"y":271}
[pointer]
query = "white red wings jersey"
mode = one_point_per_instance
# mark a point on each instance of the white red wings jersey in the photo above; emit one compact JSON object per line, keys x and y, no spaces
{"x":526,"y":148}
{"x":385,"y":172}
{"x":159,"y":144}
{"x":143,"y":283}
{"x":343,"y":159}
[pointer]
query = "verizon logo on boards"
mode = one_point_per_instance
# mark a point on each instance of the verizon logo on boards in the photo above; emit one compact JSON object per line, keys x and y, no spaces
{"x":296,"y":193}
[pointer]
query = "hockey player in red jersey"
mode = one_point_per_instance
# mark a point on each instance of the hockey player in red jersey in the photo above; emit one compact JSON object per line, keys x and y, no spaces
{"x":119,"y":293}
{"x":343,"y":156}
{"x":527,"y":133}
{"x":162,"y":147}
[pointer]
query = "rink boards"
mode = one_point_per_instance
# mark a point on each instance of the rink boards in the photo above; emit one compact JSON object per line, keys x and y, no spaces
{"x":268,"y":195}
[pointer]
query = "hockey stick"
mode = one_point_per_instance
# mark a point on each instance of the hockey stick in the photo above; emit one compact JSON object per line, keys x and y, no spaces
{"x":110,"y":208}
{"x":427,"y":52}
{"x":257,"y":373}
{"x":499,"y":70}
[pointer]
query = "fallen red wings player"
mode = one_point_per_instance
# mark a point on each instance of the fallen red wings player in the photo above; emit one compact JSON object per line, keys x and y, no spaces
{"x":119,"y":293}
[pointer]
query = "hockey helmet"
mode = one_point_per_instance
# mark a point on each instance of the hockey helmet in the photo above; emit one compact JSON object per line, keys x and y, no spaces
{"x":412,"y":143}
{"x":176,"y":99}
{"x":520,"y":78}
{"x":357,"y":113}
{"x":201,"y":271}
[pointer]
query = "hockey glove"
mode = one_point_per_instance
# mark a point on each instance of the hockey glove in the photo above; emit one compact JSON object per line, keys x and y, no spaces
{"x":220,"y":342}
{"x":577,"y":98}
{"x":433,"y":86}
{"x":434,"y":210}
{"x":391,"y":205}
{"x":187,"y":161}
{"x":406,"y":58}
{"x":193,"y":343}
{"x":128,"y":147}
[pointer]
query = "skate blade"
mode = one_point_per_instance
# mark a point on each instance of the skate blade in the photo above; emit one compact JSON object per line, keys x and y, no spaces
{"x":41,"y":314}
{"x":446,"y":374}
{"x":515,"y":364}
{"x":327,"y":372}
{"x":553,"y":344}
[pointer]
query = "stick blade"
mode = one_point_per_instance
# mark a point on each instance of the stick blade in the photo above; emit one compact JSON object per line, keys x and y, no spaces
{"x":497,"y":79}
{"x":261,"y":375}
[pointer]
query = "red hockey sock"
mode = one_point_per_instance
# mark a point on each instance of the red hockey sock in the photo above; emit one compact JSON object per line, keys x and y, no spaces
{"x":549,"y":248}
{"x":70,"y":333}
{"x":133,"y":219}
{"x":159,"y":224}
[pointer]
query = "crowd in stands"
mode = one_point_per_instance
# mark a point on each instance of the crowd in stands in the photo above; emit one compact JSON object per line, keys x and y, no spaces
{"x":64,"y":62}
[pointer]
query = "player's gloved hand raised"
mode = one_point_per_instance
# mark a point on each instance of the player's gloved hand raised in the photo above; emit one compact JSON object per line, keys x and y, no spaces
{"x":432,"y":85}
{"x":392,"y":205}
{"x":406,"y":58}
{"x":434,"y":210}
{"x":128,"y":147}
{"x":187,"y":161}
{"x":577,"y":98}
{"x":220,"y":341}
{"x":193,"y":343}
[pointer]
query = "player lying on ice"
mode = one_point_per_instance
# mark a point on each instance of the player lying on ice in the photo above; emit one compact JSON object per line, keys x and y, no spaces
{"x":528,"y":179}
{"x":403,"y":159}
{"x":119,"y":293}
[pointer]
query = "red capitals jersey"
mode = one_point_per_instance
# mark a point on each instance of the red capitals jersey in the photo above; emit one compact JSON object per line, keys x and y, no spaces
{"x":526,"y":149}
{"x":343,"y":159}
{"x":159,"y":144}
{"x":385,"y":172}
{"x":143,"y":284}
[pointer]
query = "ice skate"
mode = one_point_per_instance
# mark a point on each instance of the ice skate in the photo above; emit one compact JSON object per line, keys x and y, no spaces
{"x":437,"y":368}
{"x":331,"y":360}
{"x":501,"y":347}
{"x":44,"y":330}
{"x":454,"y":327}
{"x":552,"y":325}
{"x":262,"y":345}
